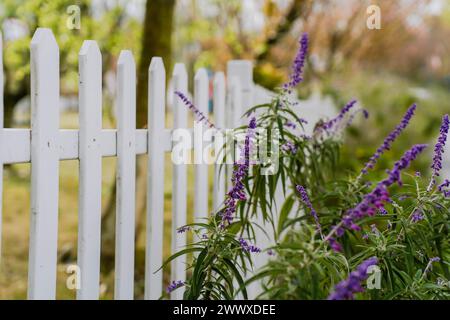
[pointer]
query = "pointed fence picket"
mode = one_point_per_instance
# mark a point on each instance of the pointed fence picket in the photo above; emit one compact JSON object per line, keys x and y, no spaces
{"x":219,"y":119}
{"x":90,"y":154}
{"x":45,"y":144}
{"x":179,"y":179}
{"x":126,"y":175}
{"x":44,"y":164}
{"x":155,"y":208}
{"x":201,"y":190}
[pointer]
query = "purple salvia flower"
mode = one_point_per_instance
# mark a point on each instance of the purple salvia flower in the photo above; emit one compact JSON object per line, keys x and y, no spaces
{"x":439,"y":150}
{"x":199,"y":115}
{"x":430,"y":265}
{"x":298,"y":65}
{"x":175,"y":285}
{"x":374,"y":229}
{"x":365,"y":113}
{"x":240,"y":171}
{"x":374,"y":201}
{"x":183,"y":229}
{"x":290,"y":124}
{"x":305,"y":137}
{"x":403,"y":163}
{"x":289,"y":147}
{"x":390,"y":139}
{"x":346,"y":289}
{"x":416,"y":216}
{"x":305,"y":199}
{"x":352,"y":116}
{"x":245,"y":246}
{"x":336,"y":246}
{"x":328,"y":125}
{"x":443,"y":188}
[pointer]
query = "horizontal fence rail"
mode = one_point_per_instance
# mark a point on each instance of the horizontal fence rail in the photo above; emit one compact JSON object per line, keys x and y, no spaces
{"x":46,"y":144}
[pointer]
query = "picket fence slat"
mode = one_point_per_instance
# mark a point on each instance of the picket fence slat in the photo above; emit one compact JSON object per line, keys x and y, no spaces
{"x":179,"y":181}
{"x":90,"y":185}
{"x":1,"y":141}
{"x":155,"y":207}
{"x":44,"y":165}
{"x":219,"y":119}
{"x":201,"y":96}
{"x":126,"y":174}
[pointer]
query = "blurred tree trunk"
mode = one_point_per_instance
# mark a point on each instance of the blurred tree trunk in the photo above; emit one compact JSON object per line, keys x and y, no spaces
{"x":156,"y":41}
{"x":298,"y":9}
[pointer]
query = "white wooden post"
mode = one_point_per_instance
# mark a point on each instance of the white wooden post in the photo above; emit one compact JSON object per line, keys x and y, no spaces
{"x":219,"y":119}
{"x":155,"y":206}
{"x":1,"y":131}
{"x":44,"y":165}
{"x":126,"y":176}
{"x":201,"y":189}
{"x":236,"y":102}
{"x":234,"y":113}
{"x":179,"y":183}
{"x":90,"y":186}
{"x":243,"y":71}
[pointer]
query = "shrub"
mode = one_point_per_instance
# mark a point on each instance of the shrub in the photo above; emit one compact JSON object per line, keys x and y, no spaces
{"x":332,"y":234}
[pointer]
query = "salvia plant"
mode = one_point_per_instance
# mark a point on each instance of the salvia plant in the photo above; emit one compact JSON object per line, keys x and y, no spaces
{"x":333,"y":238}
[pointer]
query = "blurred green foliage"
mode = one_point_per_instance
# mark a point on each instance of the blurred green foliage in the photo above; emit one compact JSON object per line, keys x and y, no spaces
{"x":98,"y":23}
{"x":387,"y":97}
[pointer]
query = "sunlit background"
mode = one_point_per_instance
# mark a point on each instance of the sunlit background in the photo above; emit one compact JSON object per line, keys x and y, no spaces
{"x":407,"y":60}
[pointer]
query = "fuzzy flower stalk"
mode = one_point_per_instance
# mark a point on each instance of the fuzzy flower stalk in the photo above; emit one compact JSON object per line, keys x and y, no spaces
{"x":174,"y":285}
{"x":201,"y":117}
{"x":374,"y":201}
{"x":330,"y":124}
{"x":240,"y":171}
{"x":245,"y":246}
{"x":346,"y":289}
{"x":298,"y":65}
{"x":439,"y":150}
{"x":305,"y":199}
{"x":390,"y":139}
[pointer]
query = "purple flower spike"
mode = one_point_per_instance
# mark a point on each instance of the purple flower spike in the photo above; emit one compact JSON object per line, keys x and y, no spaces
{"x":374,"y":201}
{"x":240,"y":171}
{"x":183,"y":229}
{"x":336,"y":246}
{"x":403,"y":163}
{"x":390,"y":139}
{"x":248,"y":247}
{"x":175,"y":285}
{"x":328,"y":125}
{"x":199,"y":115}
{"x":430,"y":264}
{"x":346,"y":289}
{"x":439,"y":149}
{"x":304,"y":196}
{"x":298,"y":65}
{"x":443,"y":188}
{"x":416,"y":216}
{"x":289,"y":147}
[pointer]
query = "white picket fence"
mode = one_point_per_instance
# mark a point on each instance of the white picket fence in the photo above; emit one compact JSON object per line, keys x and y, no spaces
{"x":45,"y":145}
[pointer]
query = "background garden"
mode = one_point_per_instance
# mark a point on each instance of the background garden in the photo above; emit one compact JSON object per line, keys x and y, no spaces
{"x":406,"y":61}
